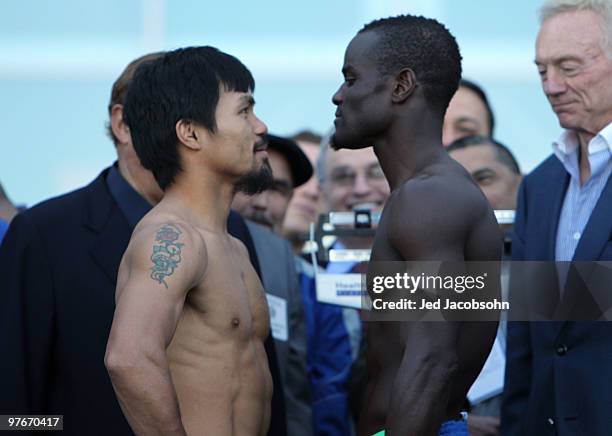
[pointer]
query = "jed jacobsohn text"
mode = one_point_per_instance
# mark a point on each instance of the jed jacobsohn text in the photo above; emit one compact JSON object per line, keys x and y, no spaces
{"x":439,"y":304}
{"x":422,"y":281}
{"x":432,"y":287}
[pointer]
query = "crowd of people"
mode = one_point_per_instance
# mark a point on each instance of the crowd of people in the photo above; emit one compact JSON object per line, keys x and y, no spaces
{"x":176,"y":294}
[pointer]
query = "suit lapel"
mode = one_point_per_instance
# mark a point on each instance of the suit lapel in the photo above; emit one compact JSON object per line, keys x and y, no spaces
{"x":552,"y":195}
{"x":598,"y":229}
{"x":596,"y":234}
{"x":110,"y":245}
{"x":550,"y":201}
{"x":103,"y":217}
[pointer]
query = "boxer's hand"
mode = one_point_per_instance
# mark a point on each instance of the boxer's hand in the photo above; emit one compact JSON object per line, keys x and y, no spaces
{"x":483,"y":425}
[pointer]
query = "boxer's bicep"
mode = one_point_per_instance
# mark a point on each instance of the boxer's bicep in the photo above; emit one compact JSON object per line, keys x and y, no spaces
{"x":159,"y":268}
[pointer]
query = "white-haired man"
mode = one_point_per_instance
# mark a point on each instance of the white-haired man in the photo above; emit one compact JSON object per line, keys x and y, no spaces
{"x":558,"y":374}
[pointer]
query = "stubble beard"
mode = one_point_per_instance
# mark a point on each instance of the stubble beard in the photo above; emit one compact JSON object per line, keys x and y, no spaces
{"x":255,"y":181}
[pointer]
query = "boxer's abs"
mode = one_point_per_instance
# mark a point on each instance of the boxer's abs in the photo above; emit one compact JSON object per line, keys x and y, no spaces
{"x":221,"y":377}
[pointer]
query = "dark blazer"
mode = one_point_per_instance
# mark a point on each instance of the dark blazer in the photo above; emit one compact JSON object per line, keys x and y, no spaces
{"x":59,"y":264}
{"x":558,"y":373}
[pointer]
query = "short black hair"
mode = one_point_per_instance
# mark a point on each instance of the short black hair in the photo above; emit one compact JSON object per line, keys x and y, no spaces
{"x":476,"y":89}
{"x":426,"y":47}
{"x":183,"y":84}
{"x":504,"y":155}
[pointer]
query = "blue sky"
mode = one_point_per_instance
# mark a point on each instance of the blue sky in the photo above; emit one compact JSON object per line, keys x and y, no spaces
{"x":58,"y":60}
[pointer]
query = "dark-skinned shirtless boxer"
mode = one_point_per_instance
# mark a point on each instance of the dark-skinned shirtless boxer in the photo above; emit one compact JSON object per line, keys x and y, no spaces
{"x":186,"y":353}
{"x":400,"y":73}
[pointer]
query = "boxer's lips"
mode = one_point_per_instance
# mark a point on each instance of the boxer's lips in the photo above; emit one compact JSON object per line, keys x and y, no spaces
{"x":338,"y":116}
{"x":260,"y":147}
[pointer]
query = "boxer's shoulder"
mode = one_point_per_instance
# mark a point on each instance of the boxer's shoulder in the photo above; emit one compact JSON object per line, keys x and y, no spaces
{"x":443,"y":197}
{"x":431,"y":214}
{"x":166,"y":242}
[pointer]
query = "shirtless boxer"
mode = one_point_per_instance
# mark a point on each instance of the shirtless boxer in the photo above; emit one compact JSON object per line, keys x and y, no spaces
{"x":400,"y":73}
{"x":185,"y":352}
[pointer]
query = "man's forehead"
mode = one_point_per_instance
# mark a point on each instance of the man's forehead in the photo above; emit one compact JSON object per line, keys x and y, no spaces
{"x":476,"y":156}
{"x":238,"y":96}
{"x":568,"y":35}
{"x":465,"y":97}
{"x":466,"y":105}
{"x":360,"y":49}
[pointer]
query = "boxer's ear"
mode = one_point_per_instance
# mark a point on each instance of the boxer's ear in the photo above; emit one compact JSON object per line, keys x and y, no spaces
{"x":405,"y":84}
{"x":188,"y":134}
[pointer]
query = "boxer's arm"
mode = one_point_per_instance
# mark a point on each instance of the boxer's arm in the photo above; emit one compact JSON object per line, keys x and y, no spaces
{"x":162,"y":263}
{"x":423,"y":228}
{"x":421,"y":389}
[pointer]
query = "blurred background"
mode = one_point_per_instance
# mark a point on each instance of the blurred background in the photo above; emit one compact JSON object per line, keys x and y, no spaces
{"x":58,"y":60}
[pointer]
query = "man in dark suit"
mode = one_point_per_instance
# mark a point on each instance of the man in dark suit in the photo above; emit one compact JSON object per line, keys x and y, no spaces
{"x":558,"y":373}
{"x":59,"y":265}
